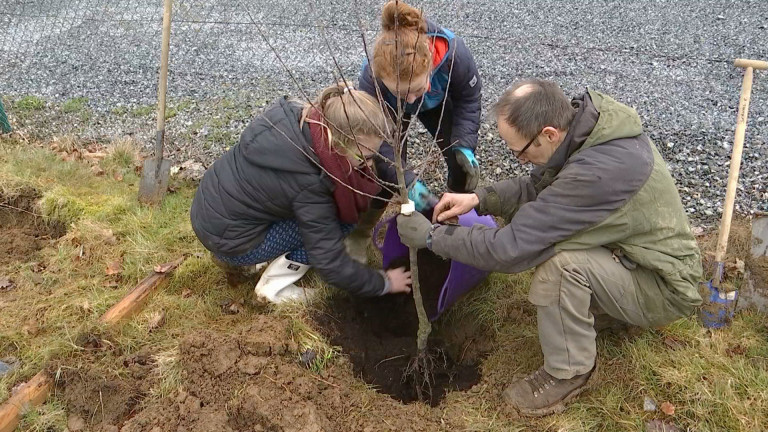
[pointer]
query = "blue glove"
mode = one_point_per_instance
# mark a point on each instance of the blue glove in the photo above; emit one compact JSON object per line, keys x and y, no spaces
{"x":465,"y":158}
{"x":421,"y":196}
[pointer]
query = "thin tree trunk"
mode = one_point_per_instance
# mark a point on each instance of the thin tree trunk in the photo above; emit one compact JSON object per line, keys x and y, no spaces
{"x":425,"y":328}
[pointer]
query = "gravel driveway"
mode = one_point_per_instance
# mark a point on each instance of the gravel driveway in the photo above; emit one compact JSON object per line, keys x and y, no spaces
{"x":671,"y":60}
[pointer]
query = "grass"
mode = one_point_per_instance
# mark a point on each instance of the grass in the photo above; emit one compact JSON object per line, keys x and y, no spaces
{"x":74,"y":105}
{"x":143,"y":110}
{"x":122,"y":157}
{"x":50,"y":417}
{"x":716,"y":380}
{"x":119,"y":110}
{"x":30,"y":109}
{"x":172,"y":109}
{"x":29,"y":103}
{"x":104,"y":223}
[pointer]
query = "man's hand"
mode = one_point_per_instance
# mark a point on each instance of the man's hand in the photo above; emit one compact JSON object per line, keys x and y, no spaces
{"x":452,"y":205}
{"x":399,"y":280}
{"x":413,"y":230}
{"x":466,"y":159}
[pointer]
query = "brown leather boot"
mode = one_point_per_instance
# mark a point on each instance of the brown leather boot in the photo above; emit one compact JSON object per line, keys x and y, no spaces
{"x":541,"y":394}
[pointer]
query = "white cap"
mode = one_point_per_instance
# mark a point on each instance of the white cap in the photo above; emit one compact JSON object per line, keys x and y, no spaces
{"x":408,"y":208}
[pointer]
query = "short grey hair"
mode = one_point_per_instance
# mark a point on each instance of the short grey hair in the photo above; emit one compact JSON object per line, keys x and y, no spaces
{"x":545,"y":105}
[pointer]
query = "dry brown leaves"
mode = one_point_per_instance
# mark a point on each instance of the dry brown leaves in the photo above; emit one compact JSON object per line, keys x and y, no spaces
{"x":668,"y":409}
{"x":232,"y":307}
{"x":70,"y":150}
{"x":6,"y":284}
{"x":114,"y":268}
{"x":660,"y":426}
{"x":735,"y":268}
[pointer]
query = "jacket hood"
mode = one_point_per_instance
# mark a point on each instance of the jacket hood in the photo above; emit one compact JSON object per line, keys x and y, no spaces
{"x":277,"y":141}
{"x":615,"y":121}
{"x":599,"y":119}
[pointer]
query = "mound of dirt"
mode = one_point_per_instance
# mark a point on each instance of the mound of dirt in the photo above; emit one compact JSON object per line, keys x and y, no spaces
{"x":102,"y":398}
{"x":251,"y":380}
{"x":22,"y":232}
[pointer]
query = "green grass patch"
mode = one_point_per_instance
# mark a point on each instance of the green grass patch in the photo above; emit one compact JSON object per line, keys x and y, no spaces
{"x":717,"y":381}
{"x":120,"y":110}
{"x":50,"y":417}
{"x":174,"y":109}
{"x":143,"y":110}
{"x":75,"y":105}
{"x":122,"y":157}
{"x":29,"y":103}
{"x":105,"y":224}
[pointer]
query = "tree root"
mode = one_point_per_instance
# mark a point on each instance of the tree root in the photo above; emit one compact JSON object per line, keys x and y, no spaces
{"x":421,"y":372}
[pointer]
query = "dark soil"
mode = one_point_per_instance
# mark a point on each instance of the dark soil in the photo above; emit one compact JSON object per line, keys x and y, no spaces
{"x":379,"y":336}
{"x":433,"y":271}
{"x":22,"y":233}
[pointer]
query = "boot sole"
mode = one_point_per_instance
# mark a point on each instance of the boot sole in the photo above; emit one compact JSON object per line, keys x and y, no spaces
{"x":560,"y":405}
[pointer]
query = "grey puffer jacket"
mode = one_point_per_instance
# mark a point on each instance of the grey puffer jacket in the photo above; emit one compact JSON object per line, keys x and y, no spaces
{"x":272,"y":174}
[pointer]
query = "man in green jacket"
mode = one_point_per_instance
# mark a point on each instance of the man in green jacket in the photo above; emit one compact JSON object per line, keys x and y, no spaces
{"x":599,"y":217}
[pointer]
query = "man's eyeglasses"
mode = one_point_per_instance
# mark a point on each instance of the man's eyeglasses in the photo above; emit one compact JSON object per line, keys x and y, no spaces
{"x":520,"y":153}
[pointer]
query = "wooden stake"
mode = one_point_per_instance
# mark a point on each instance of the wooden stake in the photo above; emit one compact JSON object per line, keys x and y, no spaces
{"x":35,"y":391}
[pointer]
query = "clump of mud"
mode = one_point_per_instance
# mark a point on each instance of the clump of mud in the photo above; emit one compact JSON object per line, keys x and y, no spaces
{"x":105,"y":398}
{"x":22,"y":232}
{"x":251,"y":379}
{"x":379,"y":336}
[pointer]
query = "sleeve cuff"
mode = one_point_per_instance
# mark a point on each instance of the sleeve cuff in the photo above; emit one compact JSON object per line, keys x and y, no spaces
{"x":386,"y":283}
{"x":489,"y":202}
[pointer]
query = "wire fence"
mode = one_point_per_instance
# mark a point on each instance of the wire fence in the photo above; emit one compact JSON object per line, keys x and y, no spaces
{"x":89,"y":68}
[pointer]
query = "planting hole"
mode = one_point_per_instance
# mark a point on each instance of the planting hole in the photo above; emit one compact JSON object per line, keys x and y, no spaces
{"x":379,"y":336}
{"x":22,"y":231}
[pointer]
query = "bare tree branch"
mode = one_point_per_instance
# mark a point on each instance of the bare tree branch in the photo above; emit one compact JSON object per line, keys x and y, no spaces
{"x":382,"y":183}
{"x":384,"y":134}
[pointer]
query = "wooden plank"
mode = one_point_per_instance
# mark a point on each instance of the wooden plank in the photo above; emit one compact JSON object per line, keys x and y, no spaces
{"x":134,"y":300}
{"x":29,"y":395}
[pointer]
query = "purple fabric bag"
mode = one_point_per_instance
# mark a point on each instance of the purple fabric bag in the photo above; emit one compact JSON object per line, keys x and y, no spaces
{"x":461,"y":277}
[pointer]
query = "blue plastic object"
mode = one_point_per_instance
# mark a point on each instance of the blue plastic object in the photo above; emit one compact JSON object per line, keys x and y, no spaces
{"x":421,"y":196}
{"x":719,"y":311}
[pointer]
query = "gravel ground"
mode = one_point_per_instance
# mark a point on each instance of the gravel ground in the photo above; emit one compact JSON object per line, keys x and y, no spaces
{"x":671,"y":60}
